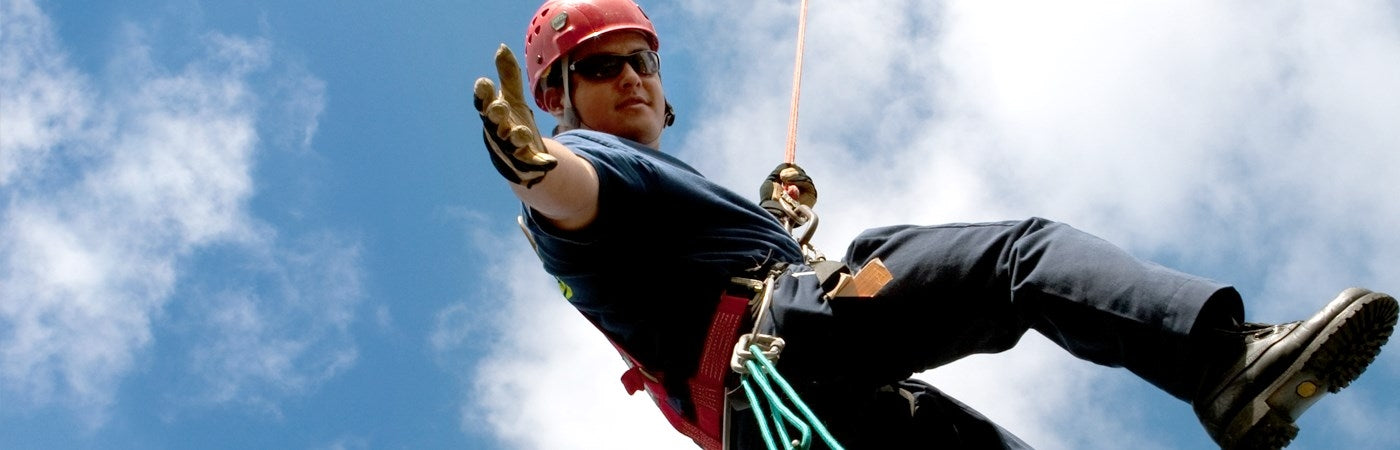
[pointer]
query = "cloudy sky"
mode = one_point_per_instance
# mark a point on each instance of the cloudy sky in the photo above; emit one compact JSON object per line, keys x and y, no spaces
{"x":272,"y":224}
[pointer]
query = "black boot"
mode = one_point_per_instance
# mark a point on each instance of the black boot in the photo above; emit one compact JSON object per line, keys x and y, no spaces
{"x":1251,"y":400}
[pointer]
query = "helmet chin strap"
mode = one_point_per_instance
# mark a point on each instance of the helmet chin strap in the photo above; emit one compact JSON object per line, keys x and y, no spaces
{"x":570,"y":121}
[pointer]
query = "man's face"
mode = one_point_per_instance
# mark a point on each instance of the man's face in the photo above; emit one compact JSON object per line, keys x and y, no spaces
{"x":631,"y":104}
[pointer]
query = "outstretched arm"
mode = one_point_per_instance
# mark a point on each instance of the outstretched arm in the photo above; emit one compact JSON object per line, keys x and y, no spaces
{"x":568,"y":196}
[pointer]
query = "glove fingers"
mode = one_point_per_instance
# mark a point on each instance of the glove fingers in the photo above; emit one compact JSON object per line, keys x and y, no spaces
{"x":794,"y":175}
{"x":512,"y":89}
{"x":509,"y":126}
{"x":525,"y":142}
{"x":485,"y":93}
{"x":535,"y":162}
{"x":521,"y":136}
{"x":485,"y":101}
{"x":499,"y":113}
{"x":791,"y":175}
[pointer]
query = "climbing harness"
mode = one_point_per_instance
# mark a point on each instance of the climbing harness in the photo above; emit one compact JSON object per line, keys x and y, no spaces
{"x":706,"y":421}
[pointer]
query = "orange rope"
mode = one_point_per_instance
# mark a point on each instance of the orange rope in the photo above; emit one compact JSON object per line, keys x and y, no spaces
{"x":790,"y":155}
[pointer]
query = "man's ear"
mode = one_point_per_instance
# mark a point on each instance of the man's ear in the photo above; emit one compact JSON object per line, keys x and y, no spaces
{"x":552,"y":101}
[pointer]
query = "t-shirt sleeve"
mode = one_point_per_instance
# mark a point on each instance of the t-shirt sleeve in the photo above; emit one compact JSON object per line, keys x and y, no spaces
{"x":624,"y":178}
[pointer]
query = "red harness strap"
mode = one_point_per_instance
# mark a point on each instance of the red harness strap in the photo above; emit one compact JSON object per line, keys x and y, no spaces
{"x":707,"y":387}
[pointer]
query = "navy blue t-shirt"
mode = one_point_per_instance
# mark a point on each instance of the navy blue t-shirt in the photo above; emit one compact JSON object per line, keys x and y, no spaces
{"x":650,"y":268}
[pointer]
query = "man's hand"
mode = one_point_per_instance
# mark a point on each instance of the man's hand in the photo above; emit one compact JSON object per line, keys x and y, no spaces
{"x":791,"y":179}
{"x":510,"y":133}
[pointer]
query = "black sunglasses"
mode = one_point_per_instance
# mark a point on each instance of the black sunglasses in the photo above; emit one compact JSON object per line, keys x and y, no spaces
{"x":605,"y":66}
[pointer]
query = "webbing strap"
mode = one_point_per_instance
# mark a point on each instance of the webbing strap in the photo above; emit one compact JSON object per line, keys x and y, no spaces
{"x":707,"y":390}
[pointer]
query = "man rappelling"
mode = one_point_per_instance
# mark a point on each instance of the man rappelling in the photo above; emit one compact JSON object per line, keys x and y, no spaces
{"x":673,"y":268}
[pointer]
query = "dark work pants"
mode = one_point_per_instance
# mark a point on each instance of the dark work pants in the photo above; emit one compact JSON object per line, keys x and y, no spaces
{"x":963,"y":289}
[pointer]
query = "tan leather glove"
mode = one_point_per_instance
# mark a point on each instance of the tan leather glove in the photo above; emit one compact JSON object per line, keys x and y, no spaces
{"x":786,"y":175}
{"x":508,"y":125}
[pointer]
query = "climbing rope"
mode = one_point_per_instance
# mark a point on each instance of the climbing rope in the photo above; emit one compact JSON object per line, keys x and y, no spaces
{"x":762,"y":373}
{"x":790,"y":155}
{"x":798,"y":215}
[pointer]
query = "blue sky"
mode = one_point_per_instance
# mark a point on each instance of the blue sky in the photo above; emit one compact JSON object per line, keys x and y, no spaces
{"x":272,"y":224}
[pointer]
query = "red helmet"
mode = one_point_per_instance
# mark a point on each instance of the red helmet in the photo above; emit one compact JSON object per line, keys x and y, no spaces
{"x":561,"y":25}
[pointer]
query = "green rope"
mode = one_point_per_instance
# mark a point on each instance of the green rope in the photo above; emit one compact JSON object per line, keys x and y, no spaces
{"x":762,"y":372}
{"x":758,"y":414}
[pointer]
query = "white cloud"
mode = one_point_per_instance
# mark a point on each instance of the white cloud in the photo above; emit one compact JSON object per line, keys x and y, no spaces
{"x":1244,"y":140}
{"x":112,"y":184}
{"x":39,"y":111}
{"x":279,"y":327}
{"x":1040,"y":393}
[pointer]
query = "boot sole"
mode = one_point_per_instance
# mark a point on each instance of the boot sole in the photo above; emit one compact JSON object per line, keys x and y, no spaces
{"x":1340,"y":353}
